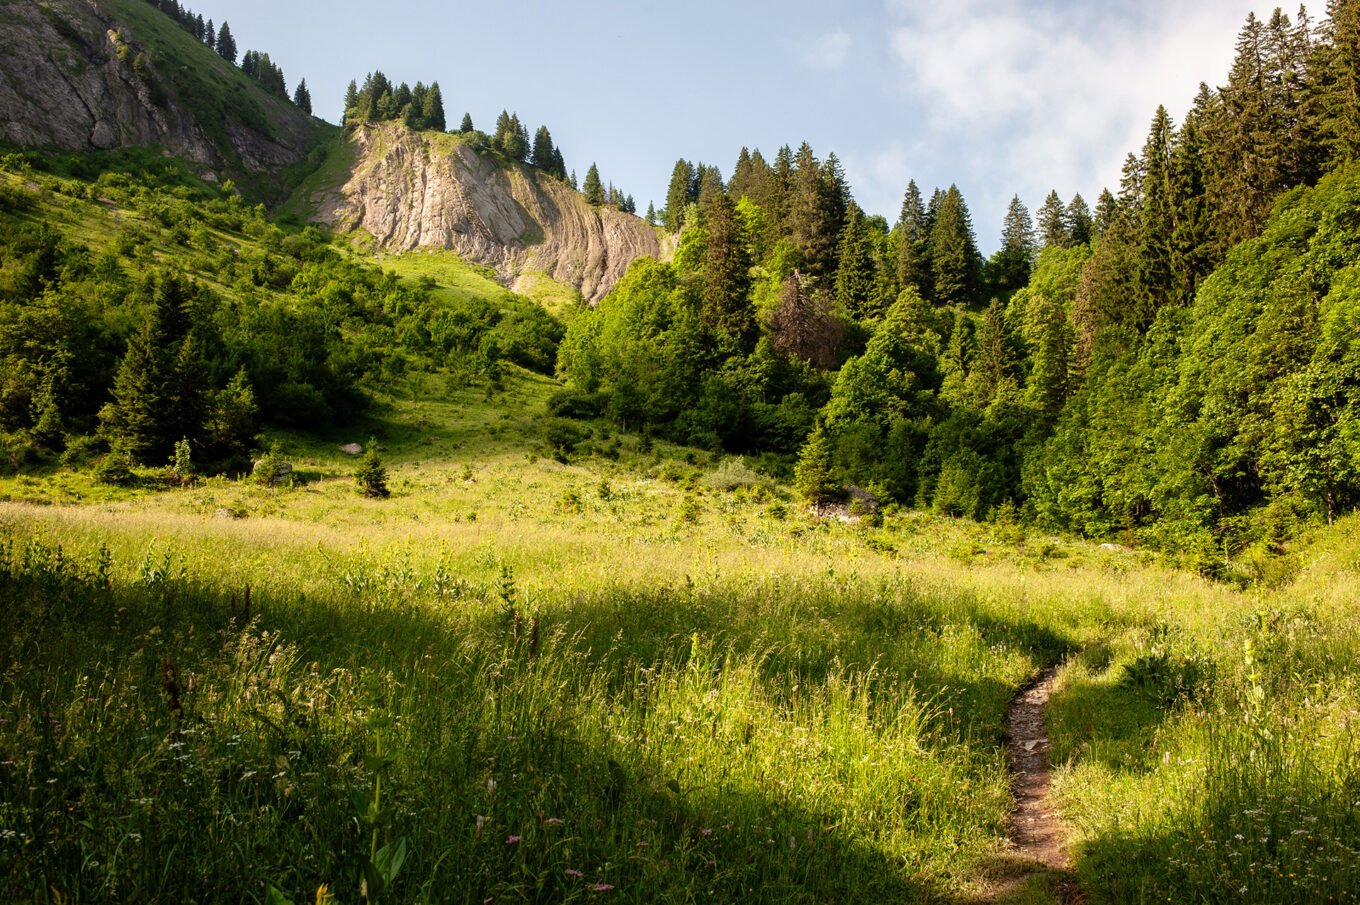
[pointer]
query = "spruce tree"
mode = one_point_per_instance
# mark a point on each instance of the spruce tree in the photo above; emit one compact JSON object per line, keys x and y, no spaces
{"x":542,"y":155}
{"x":466,"y":126}
{"x":812,"y":224}
{"x":302,"y":97}
{"x":209,"y":34}
{"x":592,"y":188}
{"x":1155,"y":220}
{"x":855,"y":271}
{"x":812,"y":476}
{"x":910,"y":243}
{"x":953,"y":252}
{"x":432,"y":109}
{"x":226,"y":44}
{"x":559,"y":166}
{"x":1077,"y":221}
{"x":351,"y":104}
{"x":651,"y":214}
{"x":1013,"y":261}
{"x":1052,"y":225}
{"x":725,"y":308}
{"x":679,"y":194}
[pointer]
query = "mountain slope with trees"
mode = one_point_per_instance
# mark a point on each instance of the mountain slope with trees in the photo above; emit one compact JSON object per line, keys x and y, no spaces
{"x":124,"y":74}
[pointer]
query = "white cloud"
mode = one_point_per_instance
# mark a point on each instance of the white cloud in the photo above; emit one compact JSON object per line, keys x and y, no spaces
{"x":1032,"y":96}
{"x":828,"y":51}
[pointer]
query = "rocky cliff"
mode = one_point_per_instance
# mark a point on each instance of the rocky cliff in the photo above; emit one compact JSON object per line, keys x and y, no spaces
{"x":86,"y":75}
{"x":419,"y":189}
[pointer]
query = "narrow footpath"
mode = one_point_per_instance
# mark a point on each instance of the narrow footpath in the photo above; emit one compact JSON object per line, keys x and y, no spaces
{"x":1036,"y":861}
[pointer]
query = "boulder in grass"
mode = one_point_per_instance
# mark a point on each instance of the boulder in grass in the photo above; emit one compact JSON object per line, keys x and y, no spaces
{"x":281,"y":470}
{"x":352,"y":449}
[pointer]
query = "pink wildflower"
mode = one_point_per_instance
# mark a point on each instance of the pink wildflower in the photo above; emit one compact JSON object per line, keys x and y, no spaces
{"x":573,"y":872}
{"x":602,"y":887}
{"x":511,"y":840}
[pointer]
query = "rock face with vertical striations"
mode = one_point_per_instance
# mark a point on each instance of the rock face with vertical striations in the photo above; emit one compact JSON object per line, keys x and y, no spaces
{"x":97,"y":75}
{"x":421,"y":189}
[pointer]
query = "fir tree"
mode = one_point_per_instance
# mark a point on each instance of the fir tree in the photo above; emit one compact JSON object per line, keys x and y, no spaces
{"x":651,"y":214}
{"x":351,"y":103}
{"x":1077,"y":223}
{"x":953,"y":252}
{"x":303,"y":98}
{"x":432,"y":108}
{"x":370,"y":476}
{"x":855,"y":271}
{"x":911,"y":238}
{"x":681,"y":191}
{"x":812,"y":476}
{"x":226,"y":44}
{"x":1013,"y":261}
{"x":592,"y":188}
{"x":542,"y":155}
{"x":726,"y":276}
{"x":1052,"y":225}
{"x":466,"y":126}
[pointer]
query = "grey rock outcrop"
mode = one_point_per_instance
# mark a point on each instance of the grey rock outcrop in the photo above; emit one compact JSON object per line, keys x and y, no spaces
{"x":74,"y":77}
{"x":411,"y":190}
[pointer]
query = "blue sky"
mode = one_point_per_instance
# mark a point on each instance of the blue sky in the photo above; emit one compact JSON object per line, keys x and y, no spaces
{"x":998,"y":96}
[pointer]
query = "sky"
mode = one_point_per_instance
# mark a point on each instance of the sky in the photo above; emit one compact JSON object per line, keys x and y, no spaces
{"x":1000,"y":97}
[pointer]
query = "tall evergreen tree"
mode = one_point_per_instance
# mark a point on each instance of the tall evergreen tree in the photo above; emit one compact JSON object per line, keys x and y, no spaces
{"x":1013,"y":261}
{"x":226,"y":44}
{"x":592,"y":188}
{"x":855,"y":271}
{"x":679,"y":194}
{"x":1077,"y":221}
{"x":1052,"y":228}
{"x":466,"y":126}
{"x":953,"y":252}
{"x":912,"y":243}
{"x":651,"y":214}
{"x":812,"y":215}
{"x":351,"y":103}
{"x":432,"y":108}
{"x":542,"y":154}
{"x":1338,"y":78}
{"x":1155,"y":219}
{"x":725,"y":308}
{"x":302,"y":97}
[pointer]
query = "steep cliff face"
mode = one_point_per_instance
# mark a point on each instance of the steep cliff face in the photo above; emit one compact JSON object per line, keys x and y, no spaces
{"x":87,"y":75}
{"x":411,"y":190}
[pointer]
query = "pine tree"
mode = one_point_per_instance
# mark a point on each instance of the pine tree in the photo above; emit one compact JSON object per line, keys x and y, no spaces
{"x":593,"y":189}
{"x":855,"y":271}
{"x":739,"y":186}
{"x":710,"y":183}
{"x":911,"y":243}
{"x":559,"y":166}
{"x":812,"y":476}
{"x":432,"y":109}
{"x":542,"y":154}
{"x":1077,"y":223}
{"x":498,"y":138}
{"x":1013,"y":261}
{"x":303,"y":98}
{"x":209,"y":34}
{"x":953,"y":252}
{"x":351,"y":103}
{"x":226,"y":44}
{"x":466,"y":126}
{"x":651,"y":214}
{"x":725,"y":308}
{"x":1155,"y":220}
{"x":681,"y":191}
{"x":1052,"y":228}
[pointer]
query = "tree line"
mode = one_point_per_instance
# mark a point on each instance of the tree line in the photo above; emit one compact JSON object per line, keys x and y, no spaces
{"x":255,"y":64}
{"x":1176,"y":366}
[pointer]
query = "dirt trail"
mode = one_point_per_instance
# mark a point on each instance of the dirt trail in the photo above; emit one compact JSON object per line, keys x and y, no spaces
{"x":1036,"y":858}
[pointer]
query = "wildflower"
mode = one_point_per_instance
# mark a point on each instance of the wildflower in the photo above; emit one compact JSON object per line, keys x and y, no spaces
{"x":602,"y":887}
{"x":573,"y":872}
{"x":481,"y":822}
{"x":552,"y":821}
{"x":511,"y":840}
{"x":705,"y":832}
{"x":490,"y":786}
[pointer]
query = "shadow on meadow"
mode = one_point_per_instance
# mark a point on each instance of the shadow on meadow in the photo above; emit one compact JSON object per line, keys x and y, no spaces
{"x":168,"y":741}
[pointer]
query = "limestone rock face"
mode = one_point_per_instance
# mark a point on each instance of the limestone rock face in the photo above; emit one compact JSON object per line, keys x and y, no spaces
{"x":411,"y":190}
{"x":74,"y":77}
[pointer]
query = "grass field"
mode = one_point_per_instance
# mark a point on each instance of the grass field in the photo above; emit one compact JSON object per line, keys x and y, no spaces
{"x":641,"y":675}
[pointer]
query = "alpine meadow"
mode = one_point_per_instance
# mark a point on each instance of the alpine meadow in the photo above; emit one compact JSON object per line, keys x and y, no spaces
{"x":389,"y":516}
